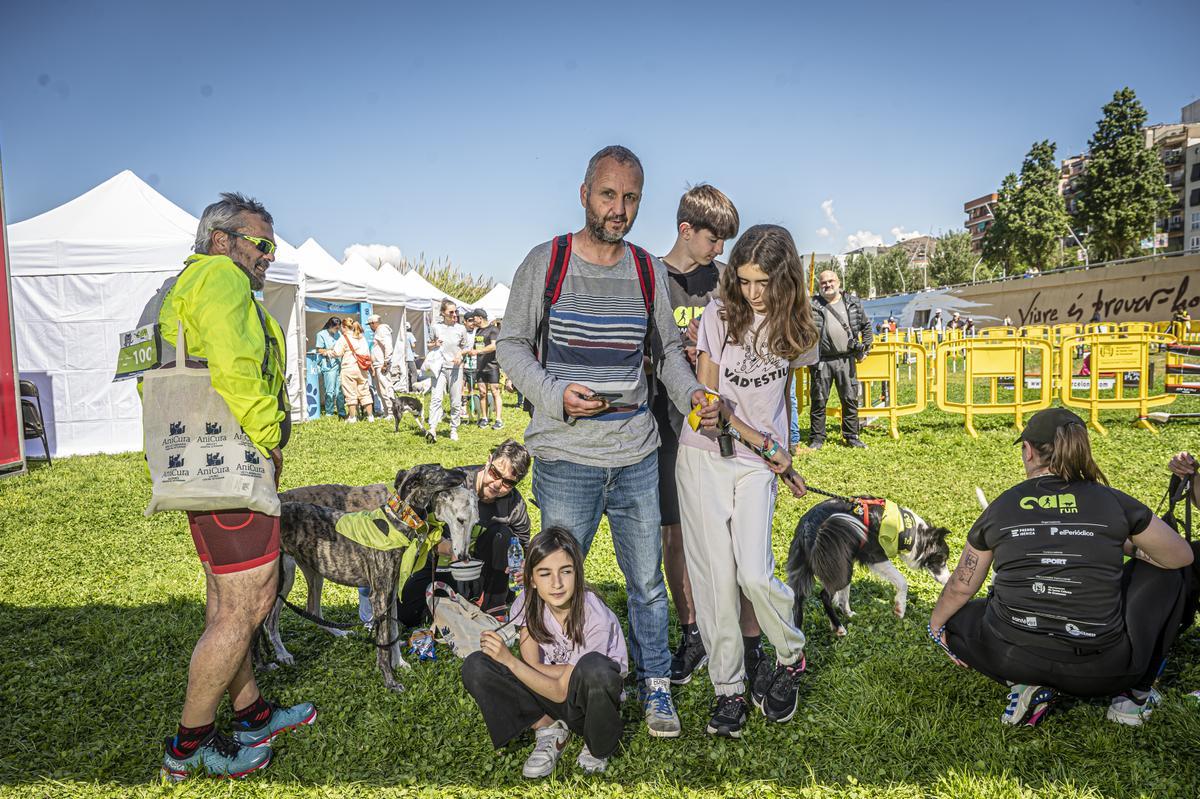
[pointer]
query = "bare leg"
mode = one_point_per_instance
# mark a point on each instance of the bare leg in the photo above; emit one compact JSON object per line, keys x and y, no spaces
{"x":675,"y":566}
{"x":749,"y":621}
{"x":496,"y":403}
{"x":219,"y":661}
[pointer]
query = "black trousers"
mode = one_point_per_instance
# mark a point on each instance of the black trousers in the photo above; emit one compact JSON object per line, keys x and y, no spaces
{"x":838,"y":372}
{"x":492,"y":548}
{"x":1154,"y":605}
{"x":592,"y":708}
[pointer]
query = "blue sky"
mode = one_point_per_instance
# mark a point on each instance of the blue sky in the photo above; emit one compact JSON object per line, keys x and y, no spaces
{"x":462,"y":129}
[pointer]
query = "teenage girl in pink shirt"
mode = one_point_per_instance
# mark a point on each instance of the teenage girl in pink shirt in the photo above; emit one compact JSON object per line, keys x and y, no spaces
{"x":748,"y":345}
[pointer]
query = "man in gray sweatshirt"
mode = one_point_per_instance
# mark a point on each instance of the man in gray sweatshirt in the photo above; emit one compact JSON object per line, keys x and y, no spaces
{"x":593,"y":437}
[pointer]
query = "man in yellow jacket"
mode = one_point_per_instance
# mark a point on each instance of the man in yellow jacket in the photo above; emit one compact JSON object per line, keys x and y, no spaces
{"x":243,"y":346}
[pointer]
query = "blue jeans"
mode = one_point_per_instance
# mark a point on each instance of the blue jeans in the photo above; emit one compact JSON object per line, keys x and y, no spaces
{"x":331,"y":389}
{"x":573,"y":496}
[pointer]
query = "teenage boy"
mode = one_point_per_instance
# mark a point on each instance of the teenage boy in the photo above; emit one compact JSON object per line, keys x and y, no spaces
{"x":487,"y":371}
{"x":706,"y":218}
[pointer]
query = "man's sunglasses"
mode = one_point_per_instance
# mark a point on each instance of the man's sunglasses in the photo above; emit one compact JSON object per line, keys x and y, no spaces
{"x":494,"y":474}
{"x":265,"y":246}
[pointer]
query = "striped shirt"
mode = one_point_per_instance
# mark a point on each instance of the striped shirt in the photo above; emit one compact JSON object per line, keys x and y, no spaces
{"x":597,"y":331}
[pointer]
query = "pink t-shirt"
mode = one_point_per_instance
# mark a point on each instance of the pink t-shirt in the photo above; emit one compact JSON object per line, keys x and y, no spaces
{"x":601,"y":633}
{"x":754,"y":384}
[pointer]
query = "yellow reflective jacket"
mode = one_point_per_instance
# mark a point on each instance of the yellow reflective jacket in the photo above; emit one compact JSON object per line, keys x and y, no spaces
{"x":221,"y":322}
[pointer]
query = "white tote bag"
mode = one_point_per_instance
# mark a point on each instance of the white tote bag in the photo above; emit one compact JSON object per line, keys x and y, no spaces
{"x":458,"y":624}
{"x":200,"y":459}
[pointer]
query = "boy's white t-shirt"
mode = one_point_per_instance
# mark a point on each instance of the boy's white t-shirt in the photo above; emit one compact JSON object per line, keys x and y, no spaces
{"x":753,"y":384}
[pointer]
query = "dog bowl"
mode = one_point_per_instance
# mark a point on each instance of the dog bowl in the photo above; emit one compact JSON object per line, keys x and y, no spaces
{"x":466,"y":570}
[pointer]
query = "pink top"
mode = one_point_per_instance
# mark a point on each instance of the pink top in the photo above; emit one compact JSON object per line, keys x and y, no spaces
{"x":752,"y":383}
{"x":601,"y":633}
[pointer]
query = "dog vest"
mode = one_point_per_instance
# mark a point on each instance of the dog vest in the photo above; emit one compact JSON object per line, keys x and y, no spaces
{"x":394,"y":526}
{"x":896,"y":529}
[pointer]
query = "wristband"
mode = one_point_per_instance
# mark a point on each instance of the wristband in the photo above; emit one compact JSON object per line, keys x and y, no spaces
{"x":770,"y":446}
{"x":936,"y":637}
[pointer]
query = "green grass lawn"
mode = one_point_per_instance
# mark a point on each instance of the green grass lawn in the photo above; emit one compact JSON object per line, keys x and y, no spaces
{"x":99,"y":609}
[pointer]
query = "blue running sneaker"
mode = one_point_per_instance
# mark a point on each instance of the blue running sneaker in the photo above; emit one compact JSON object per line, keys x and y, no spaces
{"x":217,"y":756}
{"x":281,"y":720}
{"x":1027,"y":704}
{"x":1131,"y":710}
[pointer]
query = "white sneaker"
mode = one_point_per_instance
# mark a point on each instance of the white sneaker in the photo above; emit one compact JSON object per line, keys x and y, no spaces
{"x":661,"y":718}
{"x":371,"y":418}
{"x":351,"y":419}
{"x":590,"y":763}
{"x":1125,"y":709}
{"x":547,"y":749}
{"x":454,"y":434}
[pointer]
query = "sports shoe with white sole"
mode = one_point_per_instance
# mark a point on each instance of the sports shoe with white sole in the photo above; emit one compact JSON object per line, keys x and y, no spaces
{"x":783,"y":692}
{"x":1126,"y":709}
{"x":1027,"y":704}
{"x":454,"y":434}
{"x":590,"y":763}
{"x":280,"y":721}
{"x":661,"y":719}
{"x":217,"y":756}
{"x":729,"y":714}
{"x":548,"y":746}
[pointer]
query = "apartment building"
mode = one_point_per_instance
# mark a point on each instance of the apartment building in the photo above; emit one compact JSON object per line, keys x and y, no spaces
{"x":979,"y":218}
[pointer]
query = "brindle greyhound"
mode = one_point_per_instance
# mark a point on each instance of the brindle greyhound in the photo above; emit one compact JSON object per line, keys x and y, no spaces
{"x":308,"y":538}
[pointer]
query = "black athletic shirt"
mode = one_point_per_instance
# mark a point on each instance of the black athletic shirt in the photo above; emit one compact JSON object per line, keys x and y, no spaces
{"x":483,"y":337}
{"x":1057,"y":562}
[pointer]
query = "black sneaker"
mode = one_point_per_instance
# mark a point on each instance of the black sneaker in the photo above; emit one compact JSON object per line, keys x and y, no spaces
{"x":783,"y":692}
{"x":855,"y":443}
{"x":816,"y":443}
{"x":688,"y":657}
{"x":758,"y":675}
{"x":728,"y":716}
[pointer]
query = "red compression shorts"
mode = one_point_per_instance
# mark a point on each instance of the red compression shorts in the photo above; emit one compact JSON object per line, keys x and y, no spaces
{"x":234,"y":540}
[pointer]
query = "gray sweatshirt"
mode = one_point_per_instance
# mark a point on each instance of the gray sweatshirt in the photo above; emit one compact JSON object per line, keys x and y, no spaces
{"x":591,"y":288}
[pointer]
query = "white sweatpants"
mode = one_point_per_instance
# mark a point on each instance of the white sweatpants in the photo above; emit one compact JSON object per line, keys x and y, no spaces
{"x":384,"y":388}
{"x":454,"y":378}
{"x":726,"y":506}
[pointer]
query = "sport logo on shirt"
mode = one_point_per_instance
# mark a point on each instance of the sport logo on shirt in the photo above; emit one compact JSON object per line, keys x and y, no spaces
{"x":684,"y":315}
{"x":1063,"y":503}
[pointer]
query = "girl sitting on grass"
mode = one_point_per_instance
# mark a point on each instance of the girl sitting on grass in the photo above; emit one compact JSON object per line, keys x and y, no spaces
{"x":568,"y":676}
{"x":748,"y":345}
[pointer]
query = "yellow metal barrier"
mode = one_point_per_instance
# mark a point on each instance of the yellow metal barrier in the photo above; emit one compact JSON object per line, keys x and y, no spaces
{"x":1113,"y":355}
{"x":994,"y":359}
{"x":881,"y":367}
{"x":997,"y":332}
{"x":1183,"y":369}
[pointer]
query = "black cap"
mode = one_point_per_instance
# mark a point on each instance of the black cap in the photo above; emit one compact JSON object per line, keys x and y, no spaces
{"x":1043,"y":424}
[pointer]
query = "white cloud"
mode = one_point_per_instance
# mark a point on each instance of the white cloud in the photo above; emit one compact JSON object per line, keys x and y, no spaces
{"x":376,"y":254}
{"x":901,"y":234}
{"x":863,"y":238}
{"x":823,"y":232}
{"x":827,"y":209}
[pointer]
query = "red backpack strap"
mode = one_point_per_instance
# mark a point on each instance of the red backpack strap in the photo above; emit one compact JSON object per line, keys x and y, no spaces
{"x":645,"y":275}
{"x":556,"y":273}
{"x":560,"y":256}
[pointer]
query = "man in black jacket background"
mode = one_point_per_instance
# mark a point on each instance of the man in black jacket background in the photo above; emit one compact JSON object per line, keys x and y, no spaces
{"x":846,"y":339}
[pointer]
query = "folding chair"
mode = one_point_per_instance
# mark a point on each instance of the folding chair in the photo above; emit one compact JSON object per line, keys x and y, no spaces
{"x":32,"y":418}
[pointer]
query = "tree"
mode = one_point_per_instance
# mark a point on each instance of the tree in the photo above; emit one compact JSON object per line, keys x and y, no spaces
{"x":894,"y":272}
{"x":952,"y":260}
{"x":1030,"y":215}
{"x":1041,"y":213}
{"x":1000,"y":250}
{"x":860,"y":271}
{"x":1124,"y":189}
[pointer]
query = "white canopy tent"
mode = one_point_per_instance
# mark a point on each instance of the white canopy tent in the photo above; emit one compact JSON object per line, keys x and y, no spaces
{"x":494,"y":302}
{"x":82,"y":274}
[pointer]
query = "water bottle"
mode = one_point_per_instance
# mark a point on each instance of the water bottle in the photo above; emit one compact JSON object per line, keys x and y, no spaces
{"x":516,"y":563}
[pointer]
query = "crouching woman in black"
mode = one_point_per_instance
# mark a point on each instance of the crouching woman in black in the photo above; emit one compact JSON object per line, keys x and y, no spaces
{"x":1065,"y":612}
{"x":568,"y":677}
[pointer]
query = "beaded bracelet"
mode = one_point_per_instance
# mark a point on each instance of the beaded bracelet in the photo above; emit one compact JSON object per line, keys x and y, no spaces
{"x":936,"y":637}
